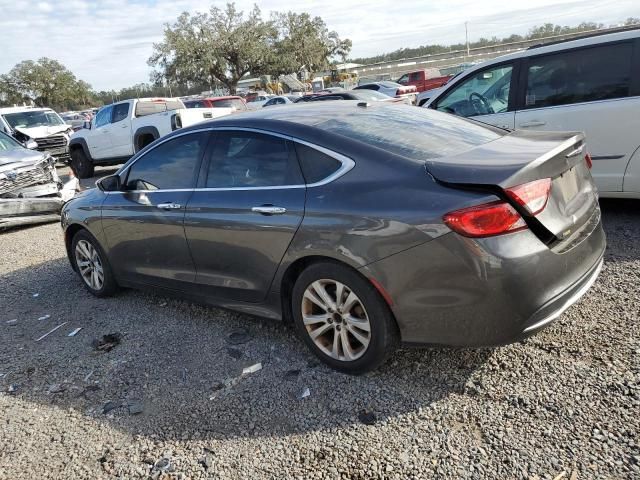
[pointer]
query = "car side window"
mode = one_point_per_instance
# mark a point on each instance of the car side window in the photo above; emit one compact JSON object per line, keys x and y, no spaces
{"x":248,"y":159}
{"x":369,"y":87}
{"x":585,"y":75}
{"x":120,"y":112}
{"x":414,"y":77}
{"x":103,"y":117}
{"x":171,"y":165}
{"x":481,"y":93}
{"x":404,"y":79}
{"x":316,"y":166}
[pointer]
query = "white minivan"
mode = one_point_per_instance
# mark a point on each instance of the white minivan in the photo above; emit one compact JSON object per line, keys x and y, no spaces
{"x":591,"y":84}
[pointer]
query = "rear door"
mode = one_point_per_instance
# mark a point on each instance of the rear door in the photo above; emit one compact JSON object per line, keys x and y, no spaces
{"x":242,"y":218}
{"x":485,"y":95}
{"x":591,"y":90}
{"x":144,"y":223}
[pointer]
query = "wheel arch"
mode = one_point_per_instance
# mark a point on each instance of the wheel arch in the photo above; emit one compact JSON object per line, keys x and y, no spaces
{"x":144,"y":132}
{"x":80,"y":143}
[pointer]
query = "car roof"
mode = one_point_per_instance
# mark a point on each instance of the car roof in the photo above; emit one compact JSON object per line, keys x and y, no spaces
{"x":24,"y":109}
{"x":227,"y":97}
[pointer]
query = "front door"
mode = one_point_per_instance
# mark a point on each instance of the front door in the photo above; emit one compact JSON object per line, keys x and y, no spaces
{"x":588,"y":90}
{"x":144,"y":223}
{"x":120,"y":131}
{"x":241,"y":221}
{"x":484,"y":95}
{"x":99,"y":137}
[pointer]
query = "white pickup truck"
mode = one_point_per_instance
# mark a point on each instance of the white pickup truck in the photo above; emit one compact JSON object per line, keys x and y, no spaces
{"x":120,"y":130}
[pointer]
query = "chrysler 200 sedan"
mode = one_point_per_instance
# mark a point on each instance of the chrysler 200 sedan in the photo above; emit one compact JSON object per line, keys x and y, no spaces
{"x":366,"y":226}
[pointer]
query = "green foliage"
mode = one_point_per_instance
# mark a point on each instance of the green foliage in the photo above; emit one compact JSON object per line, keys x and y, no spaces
{"x":46,"y":83}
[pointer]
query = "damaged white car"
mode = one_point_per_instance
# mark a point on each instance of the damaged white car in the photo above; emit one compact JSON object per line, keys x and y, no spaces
{"x":40,"y":125}
{"x":30,"y":189}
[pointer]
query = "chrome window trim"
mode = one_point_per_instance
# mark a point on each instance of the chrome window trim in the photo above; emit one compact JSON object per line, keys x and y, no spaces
{"x":346,"y":163}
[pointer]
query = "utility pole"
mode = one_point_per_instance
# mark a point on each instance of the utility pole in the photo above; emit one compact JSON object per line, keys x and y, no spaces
{"x":466,"y":35}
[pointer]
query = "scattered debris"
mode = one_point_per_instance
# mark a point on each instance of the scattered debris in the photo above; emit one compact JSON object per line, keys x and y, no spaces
{"x":13,"y":388}
{"x":238,"y":337}
{"x":88,"y":389}
{"x":109,"y":406}
{"x":163,"y":304}
{"x":292,"y":374}
{"x":44,"y":317}
{"x":74,"y":332}
{"x":13,"y":321}
{"x":107,"y":342}
{"x":88,"y":375}
{"x":149,"y":460}
{"x":135,"y":406}
{"x":560,"y":475}
{"x":163,"y":464}
{"x":57,"y":388}
{"x":51,"y":331}
{"x":35,"y":295}
{"x":252,"y":369}
{"x":206,"y":461}
{"x":305,"y":393}
{"x":234,"y":353}
{"x":574,"y":475}
{"x":367,"y":417}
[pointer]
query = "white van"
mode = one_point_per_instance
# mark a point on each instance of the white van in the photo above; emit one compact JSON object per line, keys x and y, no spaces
{"x":591,"y":84}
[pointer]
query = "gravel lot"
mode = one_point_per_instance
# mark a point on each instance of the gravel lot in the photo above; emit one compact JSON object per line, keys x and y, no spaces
{"x":562,"y":404}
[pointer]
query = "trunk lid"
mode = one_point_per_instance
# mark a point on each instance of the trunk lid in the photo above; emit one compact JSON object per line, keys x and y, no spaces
{"x":523,"y":157}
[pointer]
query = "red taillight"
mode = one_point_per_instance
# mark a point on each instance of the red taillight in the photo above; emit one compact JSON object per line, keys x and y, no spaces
{"x":485,"y":220}
{"x":587,"y":159}
{"x":532,"y":196}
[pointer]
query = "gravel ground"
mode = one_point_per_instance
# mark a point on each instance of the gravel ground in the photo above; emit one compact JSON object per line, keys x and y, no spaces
{"x":562,"y":404}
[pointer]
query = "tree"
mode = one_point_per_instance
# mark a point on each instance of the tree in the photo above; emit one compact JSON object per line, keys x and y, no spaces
{"x":45,"y":82}
{"x":222,"y":45}
{"x":305,"y":42}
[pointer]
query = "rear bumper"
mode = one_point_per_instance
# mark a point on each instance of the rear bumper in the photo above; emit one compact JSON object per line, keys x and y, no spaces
{"x":457,"y":291}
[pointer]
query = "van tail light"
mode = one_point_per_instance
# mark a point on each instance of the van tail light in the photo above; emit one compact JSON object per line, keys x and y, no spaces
{"x":496,"y":218}
{"x":588,"y":161}
{"x":485,"y":220}
{"x":532,"y":196}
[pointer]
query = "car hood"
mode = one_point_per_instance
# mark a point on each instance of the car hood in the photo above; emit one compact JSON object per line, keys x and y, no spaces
{"x":43,"y":131}
{"x":11,"y":159}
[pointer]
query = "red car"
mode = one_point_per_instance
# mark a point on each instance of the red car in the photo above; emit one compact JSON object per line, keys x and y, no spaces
{"x":424,"y":79}
{"x":218,"y":102}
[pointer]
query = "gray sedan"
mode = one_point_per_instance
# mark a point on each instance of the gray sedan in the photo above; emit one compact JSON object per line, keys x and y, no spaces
{"x":366,"y":226}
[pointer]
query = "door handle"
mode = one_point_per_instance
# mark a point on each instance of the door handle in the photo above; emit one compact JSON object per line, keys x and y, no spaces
{"x":169,"y":206}
{"x":269,"y":210}
{"x":124,"y":126}
{"x":533,"y":123}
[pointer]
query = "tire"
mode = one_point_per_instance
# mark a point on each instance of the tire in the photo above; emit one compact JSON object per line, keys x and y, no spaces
{"x":88,"y":245}
{"x":368,"y":311}
{"x":80,"y":164}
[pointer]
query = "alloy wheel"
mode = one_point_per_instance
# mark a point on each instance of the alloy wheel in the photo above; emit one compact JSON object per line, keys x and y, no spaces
{"x":89,"y":264}
{"x":336,"y":320}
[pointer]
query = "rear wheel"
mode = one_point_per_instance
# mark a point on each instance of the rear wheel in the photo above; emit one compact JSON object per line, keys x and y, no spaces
{"x":342,"y":318}
{"x":80,"y":164}
{"x":92,"y":265}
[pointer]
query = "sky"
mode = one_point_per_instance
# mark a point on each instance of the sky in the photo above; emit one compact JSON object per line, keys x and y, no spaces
{"x":107,"y":42}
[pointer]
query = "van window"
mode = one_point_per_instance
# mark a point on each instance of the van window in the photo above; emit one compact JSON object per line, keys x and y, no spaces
{"x":584,"y":75}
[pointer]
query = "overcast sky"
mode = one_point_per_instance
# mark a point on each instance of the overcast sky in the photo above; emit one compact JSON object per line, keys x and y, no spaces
{"x":108,"y":42}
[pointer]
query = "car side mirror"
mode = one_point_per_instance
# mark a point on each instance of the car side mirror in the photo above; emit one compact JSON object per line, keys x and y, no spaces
{"x":87,"y":125}
{"x":31,"y":144}
{"x":111,"y":183}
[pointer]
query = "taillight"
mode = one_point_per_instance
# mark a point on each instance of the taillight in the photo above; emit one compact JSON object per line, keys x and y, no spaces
{"x":587,"y":159}
{"x":532,"y":196}
{"x":485,"y":220}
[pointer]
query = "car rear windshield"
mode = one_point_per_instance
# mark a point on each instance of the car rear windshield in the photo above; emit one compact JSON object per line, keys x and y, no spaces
{"x":229,"y":103}
{"x":415,"y":133}
{"x":149,"y":107}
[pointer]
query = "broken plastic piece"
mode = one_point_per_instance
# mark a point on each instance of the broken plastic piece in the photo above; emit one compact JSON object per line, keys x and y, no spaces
{"x":252,"y":369}
{"x":44,"y":317}
{"x":238,"y":337}
{"x":36,"y":295}
{"x":111,"y":406}
{"x":51,"y":331}
{"x":107,"y":342}
{"x":367,"y":417}
{"x":135,"y":407}
{"x":305,"y":393}
{"x":12,"y":321}
{"x":74,"y":332}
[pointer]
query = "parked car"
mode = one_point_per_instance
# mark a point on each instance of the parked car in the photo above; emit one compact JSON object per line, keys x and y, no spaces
{"x":424,"y":79}
{"x":41,"y":125}
{"x":361,"y":95}
{"x":30,"y":190}
{"x":75,"y":120}
{"x":257,"y":101}
{"x":590,"y":85}
{"x":237,"y":103}
{"x":392,"y":89}
{"x":364,"y":225}
{"x":124,"y":128}
{"x":279,"y":100}
{"x":423,"y":97}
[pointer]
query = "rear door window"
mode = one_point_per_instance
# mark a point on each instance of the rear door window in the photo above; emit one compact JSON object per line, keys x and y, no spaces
{"x":576,"y":76}
{"x":247,"y":159}
{"x":316,"y":166}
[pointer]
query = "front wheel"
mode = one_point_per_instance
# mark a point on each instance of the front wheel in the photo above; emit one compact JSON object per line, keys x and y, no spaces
{"x":92,"y":265}
{"x":80,"y":164}
{"x":342,"y":318}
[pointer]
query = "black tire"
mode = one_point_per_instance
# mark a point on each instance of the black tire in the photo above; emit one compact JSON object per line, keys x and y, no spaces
{"x":109,"y":284}
{"x":383,"y":334}
{"x":82,"y":167}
